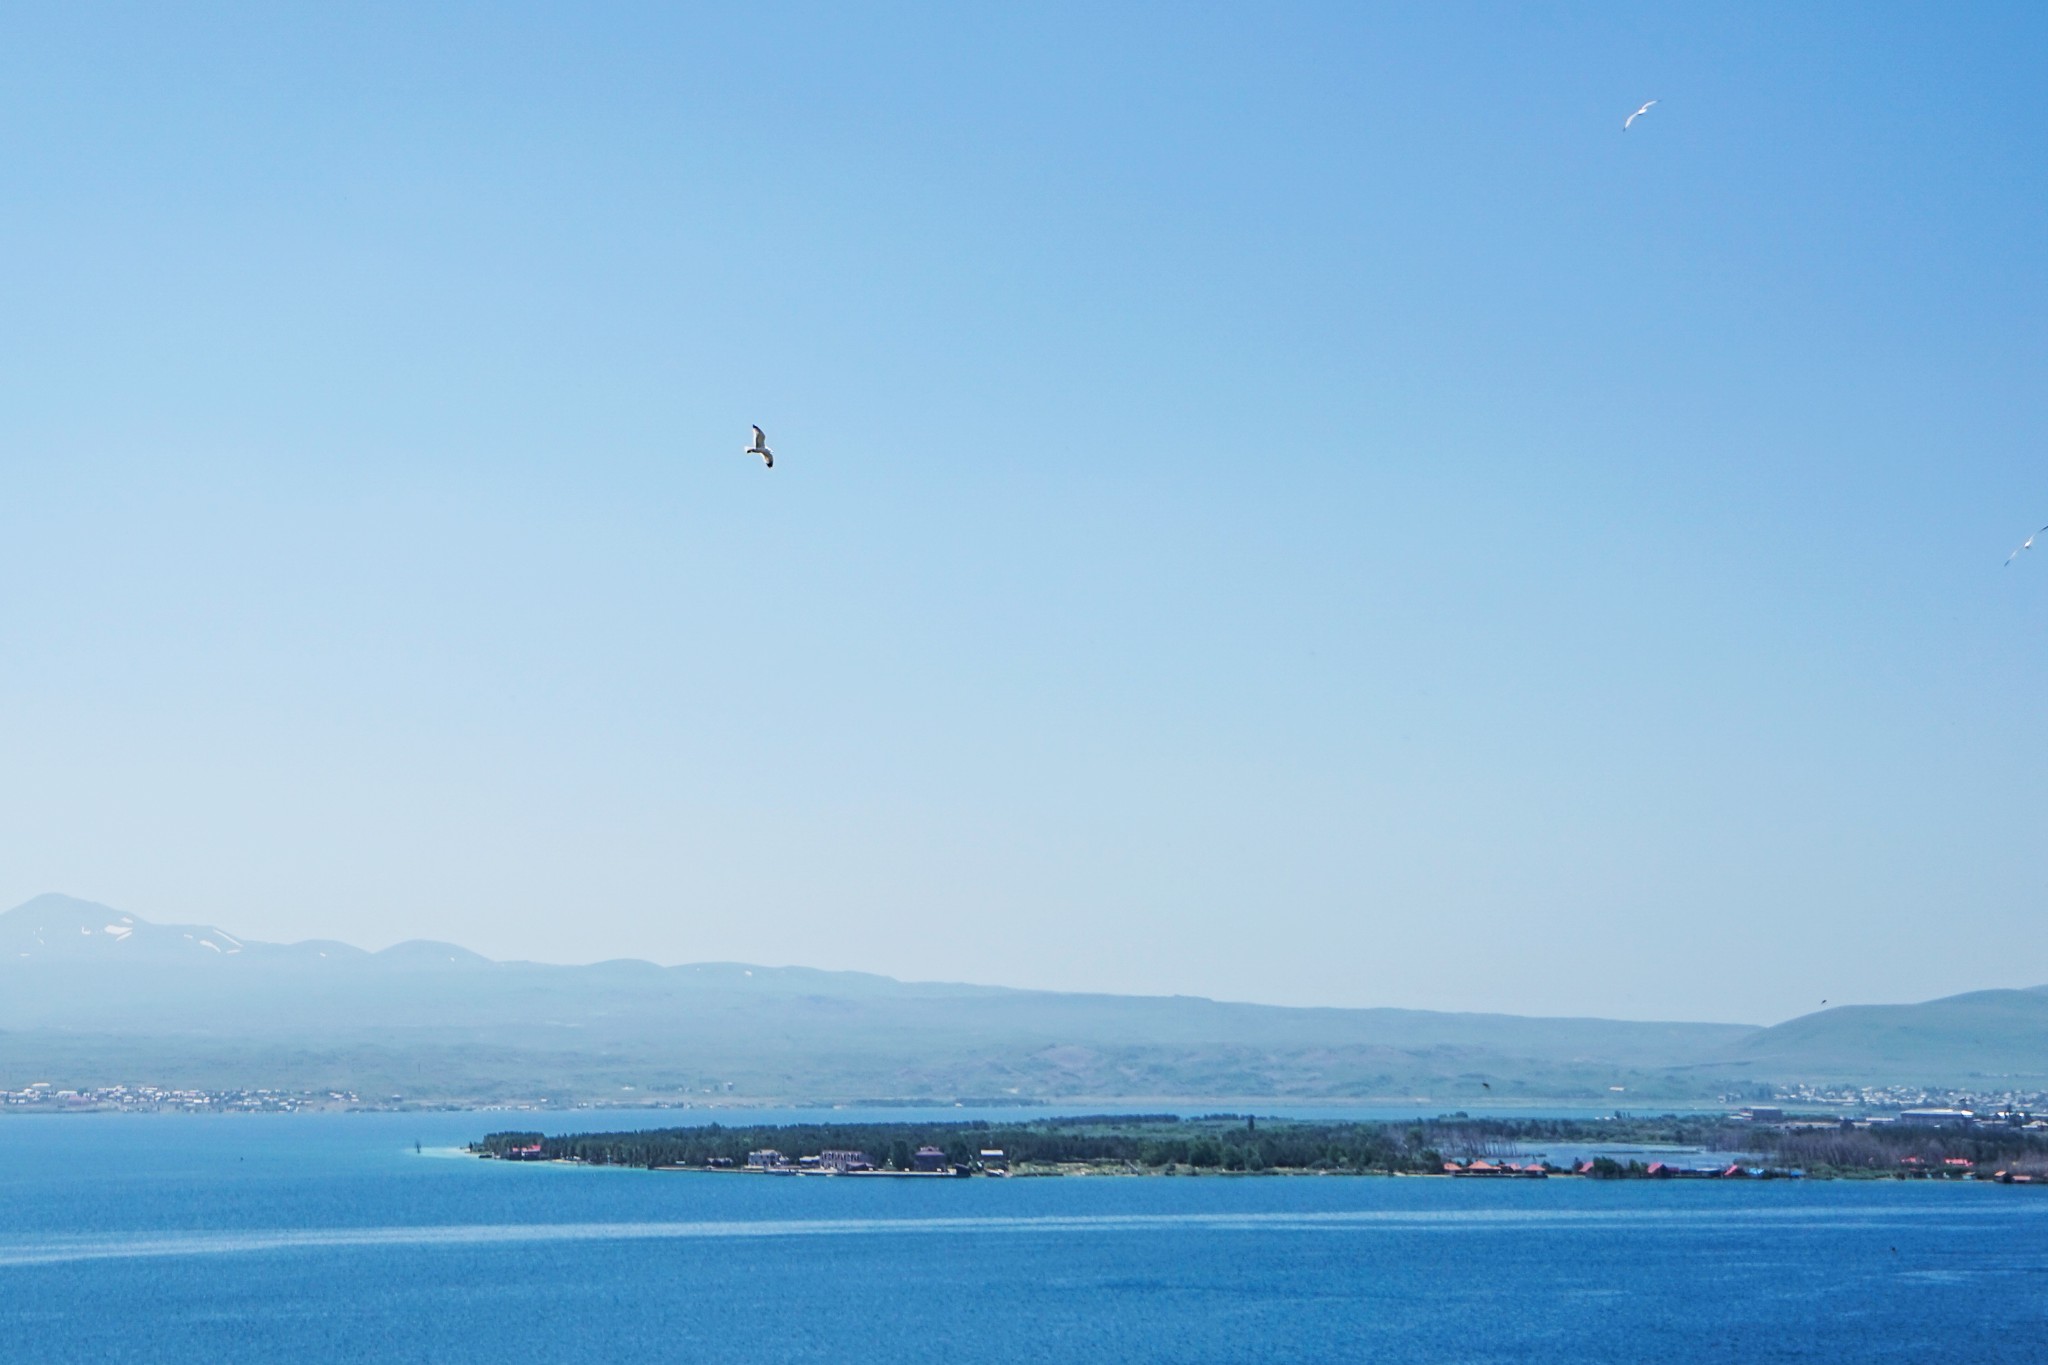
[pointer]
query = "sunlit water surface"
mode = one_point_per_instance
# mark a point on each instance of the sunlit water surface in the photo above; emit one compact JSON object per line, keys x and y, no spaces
{"x":330,"y":1238}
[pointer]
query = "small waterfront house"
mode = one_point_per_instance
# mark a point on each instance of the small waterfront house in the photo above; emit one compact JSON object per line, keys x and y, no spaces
{"x":928,"y":1159}
{"x":832,"y":1160}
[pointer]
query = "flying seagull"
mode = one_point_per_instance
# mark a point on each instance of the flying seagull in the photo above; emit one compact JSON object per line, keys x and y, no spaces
{"x":2026,"y":544}
{"x":1636,"y":115}
{"x":760,"y":447}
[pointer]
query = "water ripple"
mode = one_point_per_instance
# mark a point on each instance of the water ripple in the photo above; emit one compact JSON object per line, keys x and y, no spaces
{"x":64,"y":1250}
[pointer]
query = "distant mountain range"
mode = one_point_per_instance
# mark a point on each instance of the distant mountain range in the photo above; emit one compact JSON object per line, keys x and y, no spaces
{"x":93,"y":996}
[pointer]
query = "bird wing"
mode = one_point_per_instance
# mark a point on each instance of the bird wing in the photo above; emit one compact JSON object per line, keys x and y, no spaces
{"x":760,"y":438}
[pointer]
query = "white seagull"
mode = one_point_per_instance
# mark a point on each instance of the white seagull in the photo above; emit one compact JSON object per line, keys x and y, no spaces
{"x":1636,"y":115}
{"x":760,"y":447}
{"x":2026,"y":544}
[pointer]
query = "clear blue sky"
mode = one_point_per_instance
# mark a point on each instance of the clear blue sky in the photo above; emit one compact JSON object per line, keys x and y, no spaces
{"x":1277,"y":502}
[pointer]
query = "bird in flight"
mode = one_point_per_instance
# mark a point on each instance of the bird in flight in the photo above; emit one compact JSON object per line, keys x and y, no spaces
{"x":760,"y":447}
{"x":2026,"y":544}
{"x":1636,"y":115}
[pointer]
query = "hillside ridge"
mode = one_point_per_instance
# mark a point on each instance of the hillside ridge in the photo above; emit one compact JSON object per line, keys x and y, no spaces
{"x":94,"y":994}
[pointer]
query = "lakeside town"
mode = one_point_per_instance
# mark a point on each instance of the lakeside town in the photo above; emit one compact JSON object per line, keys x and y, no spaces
{"x":42,"y":1097}
{"x":1882,"y":1099}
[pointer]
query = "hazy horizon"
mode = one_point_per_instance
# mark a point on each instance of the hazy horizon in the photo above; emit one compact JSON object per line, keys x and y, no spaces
{"x":1295,"y":507}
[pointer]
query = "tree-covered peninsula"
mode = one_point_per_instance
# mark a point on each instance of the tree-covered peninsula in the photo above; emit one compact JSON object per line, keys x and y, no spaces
{"x":1675,"y":1146}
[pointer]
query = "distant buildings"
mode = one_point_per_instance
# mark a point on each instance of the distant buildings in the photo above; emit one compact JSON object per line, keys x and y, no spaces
{"x":1496,"y":1168}
{"x":2010,"y":1112}
{"x":843,"y":1161}
{"x":1937,"y":1118}
{"x":43,"y":1096}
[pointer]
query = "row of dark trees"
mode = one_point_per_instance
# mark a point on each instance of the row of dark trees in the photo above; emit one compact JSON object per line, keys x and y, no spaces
{"x":1885,"y":1149}
{"x":1219,"y":1143}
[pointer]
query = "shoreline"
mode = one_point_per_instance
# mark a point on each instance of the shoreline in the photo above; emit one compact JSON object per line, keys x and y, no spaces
{"x":1126,"y":1171}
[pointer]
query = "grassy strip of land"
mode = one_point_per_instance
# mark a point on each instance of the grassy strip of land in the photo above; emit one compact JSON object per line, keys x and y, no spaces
{"x":1165,"y":1143}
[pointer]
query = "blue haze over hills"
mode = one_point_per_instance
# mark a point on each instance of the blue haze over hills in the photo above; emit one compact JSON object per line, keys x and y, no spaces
{"x":90,"y":995}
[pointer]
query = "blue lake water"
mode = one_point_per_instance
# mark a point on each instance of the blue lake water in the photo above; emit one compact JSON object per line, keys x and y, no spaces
{"x":326,"y":1238}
